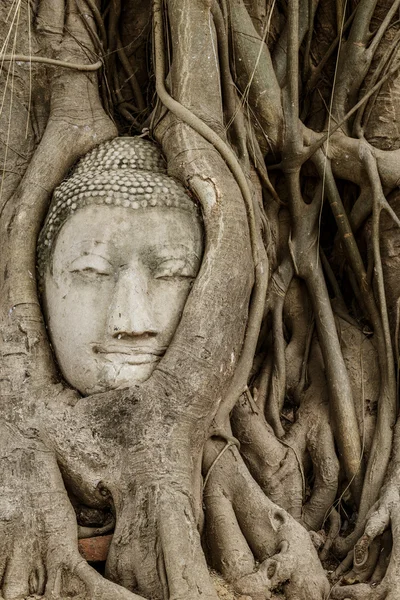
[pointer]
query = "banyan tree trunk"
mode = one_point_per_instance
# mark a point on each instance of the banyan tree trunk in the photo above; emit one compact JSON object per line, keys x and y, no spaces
{"x":266,"y":432}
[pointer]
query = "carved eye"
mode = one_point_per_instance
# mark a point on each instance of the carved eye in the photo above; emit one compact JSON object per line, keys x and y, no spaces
{"x":174,"y":268}
{"x":91,"y":266}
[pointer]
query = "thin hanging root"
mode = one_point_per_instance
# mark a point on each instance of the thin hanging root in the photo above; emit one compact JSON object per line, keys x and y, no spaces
{"x":99,"y":21}
{"x":51,"y":61}
{"x":90,"y":26}
{"x":387,"y":403}
{"x":307,"y":10}
{"x":293,"y":142}
{"x":114,"y":10}
{"x":113,"y":17}
{"x":258,"y":161}
{"x":296,"y":161}
{"x":386,"y":407}
{"x":333,"y":282}
{"x":380,"y":203}
{"x":357,"y":59}
{"x":278,"y":382}
{"x":280,"y":283}
{"x":310,"y":29}
{"x":383,"y":27}
{"x":11,"y":71}
{"x":255,"y":74}
{"x":333,"y":532}
{"x":137,"y":92}
{"x":304,"y":368}
{"x":308,"y":265}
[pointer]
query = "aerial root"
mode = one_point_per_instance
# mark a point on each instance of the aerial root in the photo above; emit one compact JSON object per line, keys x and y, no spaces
{"x":376,"y":555}
{"x":333,"y":532}
{"x":362,"y":573}
{"x":241,"y":522}
{"x":383,"y":558}
{"x":156,"y":547}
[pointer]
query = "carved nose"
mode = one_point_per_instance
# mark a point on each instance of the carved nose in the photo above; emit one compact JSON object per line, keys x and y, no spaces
{"x":130,"y":312}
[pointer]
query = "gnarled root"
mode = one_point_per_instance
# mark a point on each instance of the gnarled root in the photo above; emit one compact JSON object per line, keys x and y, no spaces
{"x":243,"y":526}
{"x":279,"y":465}
{"x":273,"y":464}
{"x":38,"y":531}
{"x":156,"y":546}
{"x":370,"y":559}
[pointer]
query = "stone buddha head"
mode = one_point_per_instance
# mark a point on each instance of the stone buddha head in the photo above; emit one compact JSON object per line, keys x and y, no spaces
{"x":117,"y":255}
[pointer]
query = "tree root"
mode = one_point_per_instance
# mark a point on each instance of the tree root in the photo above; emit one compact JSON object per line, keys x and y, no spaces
{"x":156,"y":546}
{"x":371,"y":553}
{"x":243,"y":526}
{"x":50,"y":61}
{"x":39,"y":549}
{"x":279,"y":466}
{"x":272,"y":464}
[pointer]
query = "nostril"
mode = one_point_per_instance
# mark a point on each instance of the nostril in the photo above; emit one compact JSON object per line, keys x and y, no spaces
{"x":130,"y":312}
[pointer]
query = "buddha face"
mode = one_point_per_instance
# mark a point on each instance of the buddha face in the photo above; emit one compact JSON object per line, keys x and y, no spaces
{"x":115,"y":291}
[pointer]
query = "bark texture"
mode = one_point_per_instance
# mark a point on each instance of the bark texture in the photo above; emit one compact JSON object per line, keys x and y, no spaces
{"x":265,"y":444}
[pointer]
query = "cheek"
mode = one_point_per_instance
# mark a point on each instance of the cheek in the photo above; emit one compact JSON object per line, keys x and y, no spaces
{"x":76,"y":316}
{"x":169,"y":298}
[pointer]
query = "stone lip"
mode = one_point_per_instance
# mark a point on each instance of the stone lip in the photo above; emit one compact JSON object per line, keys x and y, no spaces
{"x":95,"y":549}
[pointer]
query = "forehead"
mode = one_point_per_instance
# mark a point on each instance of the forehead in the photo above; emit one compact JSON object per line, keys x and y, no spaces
{"x":125,"y":231}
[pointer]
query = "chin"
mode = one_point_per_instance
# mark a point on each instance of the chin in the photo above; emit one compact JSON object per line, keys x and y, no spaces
{"x":112,"y":378}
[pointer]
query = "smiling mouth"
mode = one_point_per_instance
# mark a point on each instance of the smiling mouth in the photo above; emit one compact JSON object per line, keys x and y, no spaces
{"x":137,"y":355}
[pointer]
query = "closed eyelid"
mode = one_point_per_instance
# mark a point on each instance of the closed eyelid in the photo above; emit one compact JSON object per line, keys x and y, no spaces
{"x":89,"y":260}
{"x":171,"y":261}
{"x":183,"y":259}
{"x":175,"y":267}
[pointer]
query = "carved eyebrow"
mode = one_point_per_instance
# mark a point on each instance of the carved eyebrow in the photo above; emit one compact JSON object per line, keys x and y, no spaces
{"x":167,"y":249}
{"x":156,"y":254}
{"x":86,"y":247}
{"x":92,"y":244}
